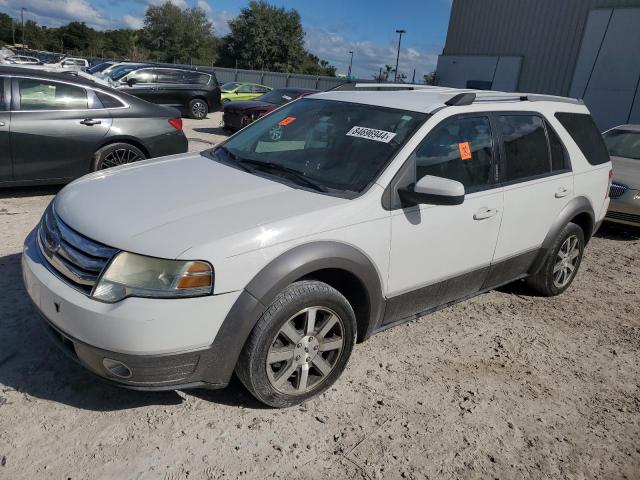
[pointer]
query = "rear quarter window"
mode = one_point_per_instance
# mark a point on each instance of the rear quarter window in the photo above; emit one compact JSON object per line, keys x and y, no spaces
{"x":584,"y":132}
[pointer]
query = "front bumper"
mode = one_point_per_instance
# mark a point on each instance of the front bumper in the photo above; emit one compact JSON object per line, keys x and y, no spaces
{"x":625,"y":209}
{"x":166,"y":344}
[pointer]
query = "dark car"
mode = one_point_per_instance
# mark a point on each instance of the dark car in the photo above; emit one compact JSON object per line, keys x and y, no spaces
{"x":237,"y":115}
{"x":55,"y":127}
{"x":193,"y":92}
{"x":99,"y":67}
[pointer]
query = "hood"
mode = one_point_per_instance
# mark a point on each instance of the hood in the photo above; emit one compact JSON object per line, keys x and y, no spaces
{"x":248,"y":105}
{"x":164,"y":207}
{"x":626,"y":171}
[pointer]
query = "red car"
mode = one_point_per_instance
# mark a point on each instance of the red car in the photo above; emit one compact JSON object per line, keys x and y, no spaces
{"x":237,"y":115}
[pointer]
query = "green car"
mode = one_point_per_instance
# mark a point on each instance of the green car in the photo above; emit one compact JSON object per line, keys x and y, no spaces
{"x":234,"y":91}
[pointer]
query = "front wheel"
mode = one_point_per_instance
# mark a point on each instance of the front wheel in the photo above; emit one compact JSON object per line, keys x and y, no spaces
{"x":562,"y":263}
{"x":300,"y":345}
{"x":116,"y":154}
{"x":198,"y":109}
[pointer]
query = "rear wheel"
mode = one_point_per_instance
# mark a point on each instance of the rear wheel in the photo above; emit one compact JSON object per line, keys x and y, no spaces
{"x":300,"y":345}
{"x":116,"y":154}
{"x":198,"y":109}
{"x":562,"y":262}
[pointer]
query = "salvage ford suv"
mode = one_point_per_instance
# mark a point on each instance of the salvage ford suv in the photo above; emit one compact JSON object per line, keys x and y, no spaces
{"x":331,"y":219}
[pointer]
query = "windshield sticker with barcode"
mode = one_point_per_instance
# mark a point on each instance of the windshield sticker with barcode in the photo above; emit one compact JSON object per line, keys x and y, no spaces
{"x":371,"y":134}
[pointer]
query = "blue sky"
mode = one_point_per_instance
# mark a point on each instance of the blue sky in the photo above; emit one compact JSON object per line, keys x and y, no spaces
{"x":333,"y":26}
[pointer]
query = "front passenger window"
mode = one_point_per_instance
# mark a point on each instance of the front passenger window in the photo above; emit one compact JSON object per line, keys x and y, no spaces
{"x":460,"y":149}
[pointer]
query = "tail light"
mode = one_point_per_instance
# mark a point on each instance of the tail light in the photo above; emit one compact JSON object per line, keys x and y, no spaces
{"x":176,"y":123}
{"x":606,"y":195}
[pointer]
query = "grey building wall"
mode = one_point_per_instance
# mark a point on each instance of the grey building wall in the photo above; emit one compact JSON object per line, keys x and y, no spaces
{"x":547,"y":34}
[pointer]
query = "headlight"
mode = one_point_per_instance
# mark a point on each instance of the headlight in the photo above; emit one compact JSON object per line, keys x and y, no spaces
{"x":131,"y":275}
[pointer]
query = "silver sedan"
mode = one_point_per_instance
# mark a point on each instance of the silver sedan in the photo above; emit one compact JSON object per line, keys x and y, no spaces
{"x":623,"y":143}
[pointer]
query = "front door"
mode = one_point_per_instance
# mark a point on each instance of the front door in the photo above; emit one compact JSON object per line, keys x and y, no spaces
{"x":5,"y":124}
{"x":443,"y":253}
{"x":54,"y":131}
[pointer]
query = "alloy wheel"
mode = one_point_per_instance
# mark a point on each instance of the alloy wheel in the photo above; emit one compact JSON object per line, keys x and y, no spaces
{"x":121,"y":156}
{"x":199,"y":110}
{"x":305,"y":350}
{"x":567,"y":262}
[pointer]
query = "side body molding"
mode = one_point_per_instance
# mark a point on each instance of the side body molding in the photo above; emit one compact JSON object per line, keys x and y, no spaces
{"x":299,"y":262}
{"x":579,"y":206}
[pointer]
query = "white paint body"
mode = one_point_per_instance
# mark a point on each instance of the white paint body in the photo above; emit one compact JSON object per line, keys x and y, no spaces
{"x":191,"y":207}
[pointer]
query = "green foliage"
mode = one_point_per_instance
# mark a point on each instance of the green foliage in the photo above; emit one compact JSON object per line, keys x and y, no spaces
{"x":265,"y":37}
{"x":262,"y":37}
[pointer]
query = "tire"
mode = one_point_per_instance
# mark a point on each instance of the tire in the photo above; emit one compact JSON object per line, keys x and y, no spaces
{"x":116,"y":154}
{"x":272,"y":364}
{"x":558,"y":271}
{"x":198,"y":109}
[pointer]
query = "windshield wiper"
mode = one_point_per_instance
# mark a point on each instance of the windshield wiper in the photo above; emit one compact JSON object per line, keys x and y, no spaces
{"x":292,"y":172}
{"x":234,"y":158}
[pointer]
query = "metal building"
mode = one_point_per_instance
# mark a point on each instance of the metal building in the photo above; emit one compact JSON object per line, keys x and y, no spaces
{"x":586,"y":49}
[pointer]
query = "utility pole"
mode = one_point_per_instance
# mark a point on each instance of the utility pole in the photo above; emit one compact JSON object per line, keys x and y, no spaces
{"x":350,"y":65}
{"x":400,"y":32}
{"x":413,"y":80}
{"x":22,"y":9}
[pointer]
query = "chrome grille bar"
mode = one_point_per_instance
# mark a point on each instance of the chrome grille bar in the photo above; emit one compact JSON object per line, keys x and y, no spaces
{"x":75,"y":259}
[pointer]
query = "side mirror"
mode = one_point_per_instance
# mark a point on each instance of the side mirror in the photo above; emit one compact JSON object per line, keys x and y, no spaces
{"x":237,"y":92}
{"x":434,"y":191}
{"x":131,"y":82}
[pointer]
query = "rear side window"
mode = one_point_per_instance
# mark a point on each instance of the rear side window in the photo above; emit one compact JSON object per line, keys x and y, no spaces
{"x":195,"y":78}
{"x":43,"y":95}
{"x":108,"y":101}
{"x":460,"y":149}
{"x":525,"y":146}
{"x":584,"y":132}
{"x":167,"y":76}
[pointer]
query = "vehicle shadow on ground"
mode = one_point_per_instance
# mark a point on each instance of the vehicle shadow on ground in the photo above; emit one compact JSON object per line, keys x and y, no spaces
{"x":37,"y":191}
{"x":212,"y":130}
{"x":618,"y":232}
{"x":31,"y":364}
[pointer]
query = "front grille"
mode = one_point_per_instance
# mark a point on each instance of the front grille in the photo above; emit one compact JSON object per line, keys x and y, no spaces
{"x":74,"y":258}
{"x":627,"y":217}
{"x":617,"y":190}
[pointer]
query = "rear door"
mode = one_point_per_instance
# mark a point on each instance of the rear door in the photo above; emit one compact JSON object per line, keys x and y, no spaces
{"x":55,"y":129}
{"x":537,"y":180}
{"x":5,"y":124}
{"x":170,"y":89}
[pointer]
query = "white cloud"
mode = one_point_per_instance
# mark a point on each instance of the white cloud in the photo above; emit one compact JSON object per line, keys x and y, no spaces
{"x":57,"y":12}
{"x":133,"y":22}
{"x":220,"y":22}
{"x":368,"y":56}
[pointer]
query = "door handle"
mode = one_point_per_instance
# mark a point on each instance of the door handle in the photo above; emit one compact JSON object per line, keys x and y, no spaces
{"x":90,"y":121}
{"x":562,"y":192}
{"x":2,"y":124}
{"x":485,"y":213}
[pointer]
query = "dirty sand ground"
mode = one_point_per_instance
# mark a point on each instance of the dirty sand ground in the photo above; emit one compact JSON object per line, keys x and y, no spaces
{"x":507,"y":385}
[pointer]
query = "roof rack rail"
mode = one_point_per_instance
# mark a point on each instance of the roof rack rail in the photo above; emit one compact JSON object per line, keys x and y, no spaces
{"x":461,"y":98}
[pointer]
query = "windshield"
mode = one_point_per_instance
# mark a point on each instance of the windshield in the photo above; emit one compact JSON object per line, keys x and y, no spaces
{"x":338,"y":146}
{"x":278,"y":97}
{"x":229,"y":87}
{"x":623,"y":143}
{"x":119,"y":72}
{"x":98,"y":68}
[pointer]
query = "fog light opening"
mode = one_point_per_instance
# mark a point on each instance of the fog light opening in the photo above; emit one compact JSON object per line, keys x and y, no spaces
{"x":116,"y":368}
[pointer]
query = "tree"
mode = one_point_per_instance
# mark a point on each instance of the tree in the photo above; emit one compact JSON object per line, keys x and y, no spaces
{"x":6,"y":29}
{"x":430,"y":78}
{"x":264,"y":37}
{"x":383,"y":76}
{"x":175,"y":35}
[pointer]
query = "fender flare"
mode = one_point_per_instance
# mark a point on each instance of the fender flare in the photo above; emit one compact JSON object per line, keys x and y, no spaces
{"x":577,"y":206}
{"x":285,"y":269}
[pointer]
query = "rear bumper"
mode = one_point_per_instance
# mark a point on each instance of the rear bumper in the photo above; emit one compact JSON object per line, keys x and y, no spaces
{"x":168,"y":144}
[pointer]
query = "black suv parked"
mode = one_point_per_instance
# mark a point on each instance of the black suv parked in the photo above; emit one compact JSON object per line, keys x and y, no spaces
{"x":194,"y":92}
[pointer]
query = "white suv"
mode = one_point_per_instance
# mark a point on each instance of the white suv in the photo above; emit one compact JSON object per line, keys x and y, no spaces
{"x":331,"y":219}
